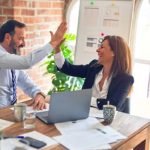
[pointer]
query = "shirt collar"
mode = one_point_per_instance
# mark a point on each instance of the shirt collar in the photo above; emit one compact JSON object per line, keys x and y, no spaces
{"x":2,"y":48}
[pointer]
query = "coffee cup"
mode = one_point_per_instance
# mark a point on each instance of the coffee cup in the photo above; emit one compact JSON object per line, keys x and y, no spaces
{"x":20,"y":111}
{"x":109,"y":112}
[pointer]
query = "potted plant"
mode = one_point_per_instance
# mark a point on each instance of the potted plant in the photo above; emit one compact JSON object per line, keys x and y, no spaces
{"x":60,"y":81}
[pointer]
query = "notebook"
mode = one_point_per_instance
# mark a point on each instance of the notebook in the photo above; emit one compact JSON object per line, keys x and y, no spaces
{"x":67,"y":106}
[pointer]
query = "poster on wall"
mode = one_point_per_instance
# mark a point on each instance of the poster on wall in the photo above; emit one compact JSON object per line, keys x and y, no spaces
{"x":98,"y":18}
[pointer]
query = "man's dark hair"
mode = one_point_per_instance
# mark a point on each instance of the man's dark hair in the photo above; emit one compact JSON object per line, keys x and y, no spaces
{"x":9,"y":27}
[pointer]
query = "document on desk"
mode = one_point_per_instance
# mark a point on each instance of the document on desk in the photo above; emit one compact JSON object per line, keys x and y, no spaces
{"x":4,"y":124}
{"x":111,"y":133}
{"x":87,"y":134}
{"x":90,"y":139}
{"x":36,"y":135}
{"x":95,"y":112}
{"x":75,"y":126}
{"x":13,"y":143}
{"x":30,"y":109}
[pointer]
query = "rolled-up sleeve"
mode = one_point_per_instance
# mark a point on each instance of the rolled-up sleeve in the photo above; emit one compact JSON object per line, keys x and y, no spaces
{"x":27,"y":85}
{"x":59,"y":60}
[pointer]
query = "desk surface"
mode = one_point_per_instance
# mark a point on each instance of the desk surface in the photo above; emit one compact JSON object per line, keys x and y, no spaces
{"x":135,"y":128}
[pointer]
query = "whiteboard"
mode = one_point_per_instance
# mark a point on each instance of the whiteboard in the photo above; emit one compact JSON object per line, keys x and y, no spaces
{"x":98,"y":18}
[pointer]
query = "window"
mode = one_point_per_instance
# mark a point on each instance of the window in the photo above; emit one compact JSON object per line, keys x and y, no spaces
{"x":140,"y":102}
{"x":72,"y":16}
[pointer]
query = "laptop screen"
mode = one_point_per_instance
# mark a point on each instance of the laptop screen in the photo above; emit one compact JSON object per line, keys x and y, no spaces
{"x":69,"y":106}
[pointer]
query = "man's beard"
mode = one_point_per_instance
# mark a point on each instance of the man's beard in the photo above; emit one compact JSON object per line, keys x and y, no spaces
{"x":15,"y":49}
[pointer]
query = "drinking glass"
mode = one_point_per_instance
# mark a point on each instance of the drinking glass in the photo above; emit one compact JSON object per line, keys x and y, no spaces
{"x":29,"y":122}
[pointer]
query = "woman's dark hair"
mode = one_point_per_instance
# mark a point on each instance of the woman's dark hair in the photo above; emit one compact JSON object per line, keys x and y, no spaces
{"x":9,"y":27}
{"x":122,"y":55}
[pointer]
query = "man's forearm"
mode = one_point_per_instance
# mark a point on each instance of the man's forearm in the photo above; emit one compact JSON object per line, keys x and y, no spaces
{"x":11,"y":61}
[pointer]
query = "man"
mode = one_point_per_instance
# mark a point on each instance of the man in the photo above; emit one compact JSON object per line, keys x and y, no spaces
{"x":12,"y":34}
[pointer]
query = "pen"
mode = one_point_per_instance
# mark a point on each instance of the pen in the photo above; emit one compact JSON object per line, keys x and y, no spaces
{"x":93,"y":106}
{"x":101,"y":130}
{"x":18,"y":137}
{"x":99,"y":117}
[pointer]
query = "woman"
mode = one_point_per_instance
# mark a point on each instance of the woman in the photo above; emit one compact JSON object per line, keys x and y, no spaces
{"x":109,"y":76}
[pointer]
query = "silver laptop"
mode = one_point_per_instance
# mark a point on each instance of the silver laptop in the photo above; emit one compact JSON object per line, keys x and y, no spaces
{"x":67,"y":106}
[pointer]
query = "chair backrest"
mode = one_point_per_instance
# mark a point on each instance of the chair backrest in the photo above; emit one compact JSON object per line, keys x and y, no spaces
{"x":126,"y":106}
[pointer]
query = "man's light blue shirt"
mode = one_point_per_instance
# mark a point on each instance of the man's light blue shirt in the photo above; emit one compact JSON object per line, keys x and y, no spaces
{"x":11,"y":61}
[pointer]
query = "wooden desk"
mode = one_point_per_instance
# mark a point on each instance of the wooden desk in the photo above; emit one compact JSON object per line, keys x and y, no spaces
{"x":135,"y":128}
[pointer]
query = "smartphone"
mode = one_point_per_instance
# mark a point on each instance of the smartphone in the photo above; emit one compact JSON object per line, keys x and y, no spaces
{"x":33,"y":142}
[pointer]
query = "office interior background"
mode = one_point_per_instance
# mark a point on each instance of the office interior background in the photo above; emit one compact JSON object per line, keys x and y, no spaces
{"x":41,"y":16}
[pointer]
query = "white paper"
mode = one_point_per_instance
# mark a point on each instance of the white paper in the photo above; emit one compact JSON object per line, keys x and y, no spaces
{"x":80,"y":134}
{"x":89,"y":13}
{"x":94,"y":101}
{"x":4,"y":124}
{"x":30,"y":109}
{"x":95,"y":112}
{"x":111,"y":133}
{"x":36,"y":135}
{"x":76,"y":126}
{"x":12,"y":144}
{"x":97,"y":138}
{"x":84,"y":140}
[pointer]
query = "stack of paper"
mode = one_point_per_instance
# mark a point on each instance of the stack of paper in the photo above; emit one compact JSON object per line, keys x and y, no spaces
{"x":75,"y":126}
{"x":13,"y":143}
{"x":30,"y":109}
{"x":36,"y":135}
{"x":84,"y":140}
{"x":87,"y":134}
{"x":111,"y":133}
{"x":95,"y":112}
